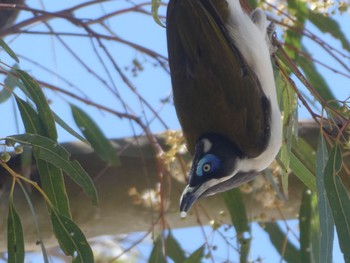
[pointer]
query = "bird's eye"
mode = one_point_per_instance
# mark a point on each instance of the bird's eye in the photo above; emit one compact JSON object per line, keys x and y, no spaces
{"x":208,"y":164}
{"x":206,"y":167}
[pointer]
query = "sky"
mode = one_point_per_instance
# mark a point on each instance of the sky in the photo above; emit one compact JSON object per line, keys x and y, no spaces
{"x":153,"y":83}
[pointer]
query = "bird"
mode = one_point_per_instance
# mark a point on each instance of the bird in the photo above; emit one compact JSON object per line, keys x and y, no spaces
{"x":224,"y":93}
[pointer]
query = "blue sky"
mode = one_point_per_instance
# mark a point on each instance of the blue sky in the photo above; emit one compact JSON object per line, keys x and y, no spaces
{"x":152,"y":83}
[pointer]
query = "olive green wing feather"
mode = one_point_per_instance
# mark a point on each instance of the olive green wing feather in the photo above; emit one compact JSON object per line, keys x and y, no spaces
{"x":214,"y":89}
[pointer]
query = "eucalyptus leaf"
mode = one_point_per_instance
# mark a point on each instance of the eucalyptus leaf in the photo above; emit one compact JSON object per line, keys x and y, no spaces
{"x":173,"y":249}
{"x":71,"y":238}
{"x":157,"y":253}
{"x":234,"y":203}
{"x":95,"y":136}
{"x":196,"y":256}
{"x":155,"y":7}
{"x":15,"y":241}
{"x":305,"y":216}
{"x":338,"y":199}
{"x":324,"y":209}
{"x":280,"y":241}
{"x":7,"y":90}
{"x":70,"y":130}
{"x":39,"y":99}
{"x":302,"y":172}
{"x":328,"y":25}
{"x":51,"y":177}
{"x":8,"y":50}
{"x":52,"y":152}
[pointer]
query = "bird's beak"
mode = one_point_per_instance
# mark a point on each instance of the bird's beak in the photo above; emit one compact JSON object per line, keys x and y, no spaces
{"x":188,"y":197}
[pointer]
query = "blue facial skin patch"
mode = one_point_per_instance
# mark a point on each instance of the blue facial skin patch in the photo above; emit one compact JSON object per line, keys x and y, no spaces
{"x":208,"y":159}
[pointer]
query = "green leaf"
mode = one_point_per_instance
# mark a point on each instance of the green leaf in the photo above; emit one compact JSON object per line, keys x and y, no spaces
{"x":235,"y":205}
{"x":155,"y":8}
{"x":31,"y":120}
{"x":51,"y":177}
{"x":10,"y":84}
{"x":157,"y":253}
{"x":173,"y":249}
{"x":71,"y":238}
{"x":316,"y":79}
{"x":65,"y":126}
{"x":289,"y":106}
{"x":305,"y":216}
{"x":55,"y":154}
{"x":8,"y":50}
{"x":302,"y":172}
{"x":328,"y":25}
{"x":196,"y":256}
{"x":39,"y":99}
{"x":15,"y":241}
{"x":280,"y":241}
{"x":338,"y":199}
{"x":324,"y":209}
{"x":94,"y":135}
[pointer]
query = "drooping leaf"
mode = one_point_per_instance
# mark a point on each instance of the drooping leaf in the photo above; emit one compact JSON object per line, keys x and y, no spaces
{"x":8,"y":50}
{"x":196,"y":256}
{"x":15,"y":241}
{"x":302,"y":172}
{"x":39,"y":99}
{"x":280,"y":241}
{"x":235,"y":205}
{"x":51,"y":177}
{"x":65,"y":126}
{"x":155,"y":8}
{"x":316,"y":79}
{"x":324,"y":209}
{"x":173,"y":249}
{"x":338,"y":199}
{"x":10,"y":85}
{"x":95,"y":136}
{"x":71,"y":238}
{"x":56,"y":155}
{"x":157,"y":253}
{"x":305,"y":216}
{"x":288,"y":105}
{"x":328,"y":25}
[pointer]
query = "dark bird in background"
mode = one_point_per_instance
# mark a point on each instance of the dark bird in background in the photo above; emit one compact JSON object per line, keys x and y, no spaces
{"x":224,"y":93}
{"x":8,"y":15}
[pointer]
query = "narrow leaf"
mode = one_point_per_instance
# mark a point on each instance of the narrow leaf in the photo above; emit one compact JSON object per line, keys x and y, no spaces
{"x":235,"y":205}
{"x":196,"y":256}
{"x":95,"y":136}
{"x":305,"y":214}
{"x":55,"y":154}
{"x":174,"y":250}
{"x":324,"y":209}
{"x":316,"y":79}
{"x":339,"y":200}
{"x":8,"y":50}
{"x":71,"y":238}
{"x":155,"y":8}
{"x":15,"y":241}
{"x":39,"y":99}
{"x":280,"y":241}
{"x":65,"y":126}
{"x":302,"y":172}
{"x":10,"y":84}
{"x":328,"y":25}
{"x":157,"y":253}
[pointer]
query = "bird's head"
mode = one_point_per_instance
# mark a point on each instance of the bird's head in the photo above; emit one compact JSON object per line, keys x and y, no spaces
{"x":215,"y":169}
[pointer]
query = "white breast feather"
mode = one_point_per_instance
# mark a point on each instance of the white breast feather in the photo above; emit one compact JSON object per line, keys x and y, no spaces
{"x":250,"y":40}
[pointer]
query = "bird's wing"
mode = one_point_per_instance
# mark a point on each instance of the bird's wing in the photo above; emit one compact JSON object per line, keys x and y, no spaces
{"x":214,"y":89}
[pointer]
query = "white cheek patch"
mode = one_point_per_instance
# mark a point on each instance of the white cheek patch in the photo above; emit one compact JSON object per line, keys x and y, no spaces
{"x":206,"y":145}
